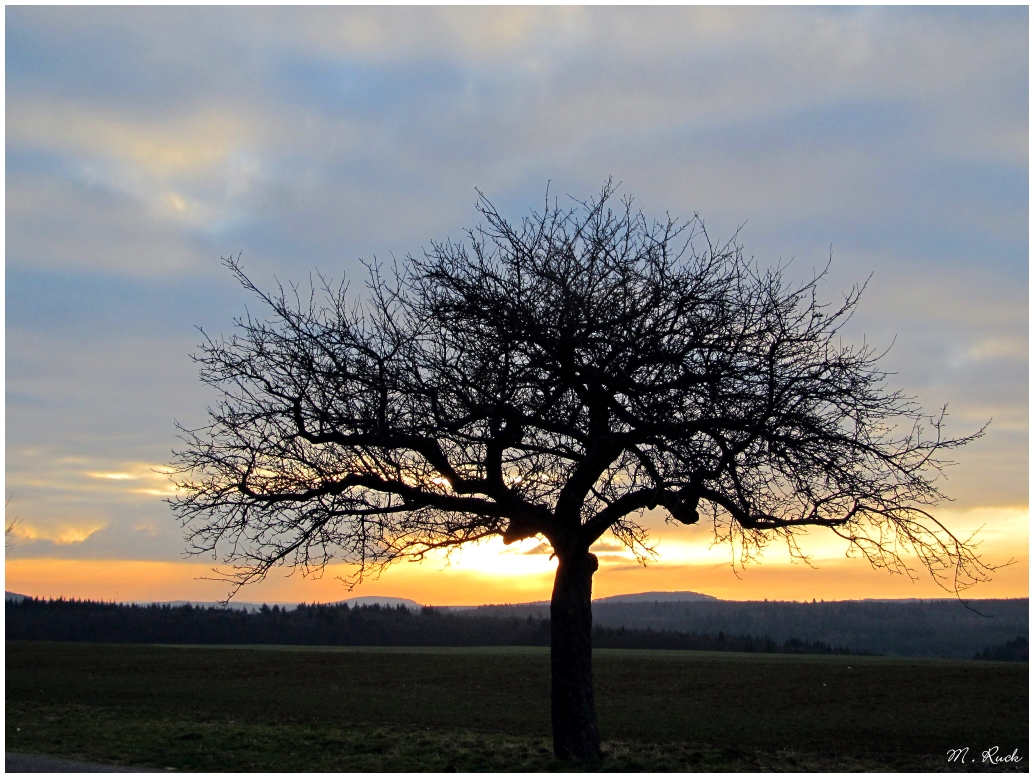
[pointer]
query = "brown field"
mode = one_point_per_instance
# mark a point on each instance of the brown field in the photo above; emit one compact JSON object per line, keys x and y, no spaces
{"x":397,"y":709}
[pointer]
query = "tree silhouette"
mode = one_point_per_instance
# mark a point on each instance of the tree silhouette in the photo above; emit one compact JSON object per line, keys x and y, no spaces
{"x":557,"y":378}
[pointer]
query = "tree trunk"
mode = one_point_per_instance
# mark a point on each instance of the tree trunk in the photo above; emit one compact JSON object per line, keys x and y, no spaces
{"x":575,"y":735}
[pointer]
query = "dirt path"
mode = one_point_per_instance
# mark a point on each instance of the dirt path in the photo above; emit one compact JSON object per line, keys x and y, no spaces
{"x":31,"y":763}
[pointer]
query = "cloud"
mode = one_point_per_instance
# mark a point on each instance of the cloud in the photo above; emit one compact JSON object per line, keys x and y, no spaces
{"x":381,"y":121}
{"x":162,"y":147}
{"x":63,"y":535}
{"x":119,"y":538}
{"x":1011,"y":349}
{"x":137,"y":196}
{"x":144,"y":143}
{"x":147,"y":479}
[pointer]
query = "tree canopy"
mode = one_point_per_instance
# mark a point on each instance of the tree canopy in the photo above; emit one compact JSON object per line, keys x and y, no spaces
{"x":556,"y":377}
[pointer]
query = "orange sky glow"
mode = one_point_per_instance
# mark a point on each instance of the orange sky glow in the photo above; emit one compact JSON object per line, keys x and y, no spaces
{"x":494,"y":573}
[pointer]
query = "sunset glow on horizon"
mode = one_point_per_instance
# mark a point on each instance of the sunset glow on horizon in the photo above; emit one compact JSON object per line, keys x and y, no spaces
{"x":491,"y":573}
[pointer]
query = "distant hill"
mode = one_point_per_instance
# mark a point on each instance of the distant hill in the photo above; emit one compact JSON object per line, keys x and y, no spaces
{"x":541,"y":607}
{"x":15,"y":597}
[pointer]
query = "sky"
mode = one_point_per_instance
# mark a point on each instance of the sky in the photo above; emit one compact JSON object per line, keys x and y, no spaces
{"x":143,"y":144}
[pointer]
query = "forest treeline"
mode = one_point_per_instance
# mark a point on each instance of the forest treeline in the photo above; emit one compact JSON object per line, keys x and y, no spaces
{"x":988,"y":629}
{"x":341,"y":625}
{"x":934,"y":628}
{"x":1015,"y":650}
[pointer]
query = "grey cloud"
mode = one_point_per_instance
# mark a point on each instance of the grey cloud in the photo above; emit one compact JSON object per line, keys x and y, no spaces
{"x":311,"y":137}
{"x":572,"y":95}
{"x":151,"y":538}
{"x":115,"y":399}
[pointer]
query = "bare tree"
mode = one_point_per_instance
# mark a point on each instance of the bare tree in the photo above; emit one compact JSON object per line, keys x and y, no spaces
{"x":557,"y":378}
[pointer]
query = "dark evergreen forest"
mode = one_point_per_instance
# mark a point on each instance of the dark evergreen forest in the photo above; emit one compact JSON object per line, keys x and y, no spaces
{"x":340,"y":625}
{"x":987,"y":629}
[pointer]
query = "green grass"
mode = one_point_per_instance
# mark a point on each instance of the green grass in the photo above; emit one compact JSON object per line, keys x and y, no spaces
{"x":358,"y":709}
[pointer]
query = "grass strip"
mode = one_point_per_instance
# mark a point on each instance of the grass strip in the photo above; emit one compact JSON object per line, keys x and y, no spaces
{"x":186,"y":744}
